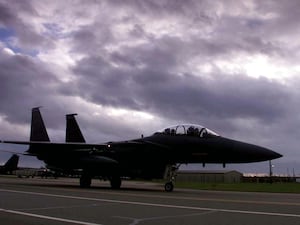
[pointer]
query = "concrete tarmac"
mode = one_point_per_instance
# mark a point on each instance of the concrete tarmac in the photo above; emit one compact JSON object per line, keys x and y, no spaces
{"x":61,"y":201}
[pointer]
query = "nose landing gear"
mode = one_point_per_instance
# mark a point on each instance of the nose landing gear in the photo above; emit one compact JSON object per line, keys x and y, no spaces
{"x":115,"y":182}
{"x":171,"y":173}
{"x":169,"y":186}
{"x":85,"y":180}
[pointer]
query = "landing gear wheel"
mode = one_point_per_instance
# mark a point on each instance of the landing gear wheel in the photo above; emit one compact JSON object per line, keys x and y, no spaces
{"x":170,"y":174}
{"x":115,"y":182}
{"x":85,"y":181}
{"x":169,"y":186}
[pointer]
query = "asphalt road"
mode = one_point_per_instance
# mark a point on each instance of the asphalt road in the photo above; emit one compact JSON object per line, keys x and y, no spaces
{"x":61,"y":201}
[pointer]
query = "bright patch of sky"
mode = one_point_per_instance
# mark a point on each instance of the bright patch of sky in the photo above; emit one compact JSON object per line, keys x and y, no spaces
{"x":144,"y":121}
{"x":60,"y":59}
{"x":257,"y":66}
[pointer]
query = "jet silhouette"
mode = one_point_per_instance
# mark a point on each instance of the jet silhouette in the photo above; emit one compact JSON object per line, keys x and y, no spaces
{"x":153,"y":157}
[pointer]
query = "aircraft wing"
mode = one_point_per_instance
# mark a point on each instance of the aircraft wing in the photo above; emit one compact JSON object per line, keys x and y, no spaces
{"x":58,"y":144}
{"x":13,"y":152}
{"x":77,"y":147}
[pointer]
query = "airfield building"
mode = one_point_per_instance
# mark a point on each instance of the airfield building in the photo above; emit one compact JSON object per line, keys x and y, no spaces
{"x":212,"y":176}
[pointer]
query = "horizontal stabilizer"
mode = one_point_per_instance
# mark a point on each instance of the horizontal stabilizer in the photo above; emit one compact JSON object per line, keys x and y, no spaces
{"x":12,"y":163}
{"x":39,"y":147}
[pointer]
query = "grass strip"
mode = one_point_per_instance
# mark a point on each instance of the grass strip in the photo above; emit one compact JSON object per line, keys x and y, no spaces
{"x":243,"y":187}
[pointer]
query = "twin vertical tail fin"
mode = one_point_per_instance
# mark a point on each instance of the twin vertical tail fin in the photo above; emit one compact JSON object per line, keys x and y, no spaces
{"x":38,"y":129}
{"x":39,"y":133}
{"x":73,"y":132}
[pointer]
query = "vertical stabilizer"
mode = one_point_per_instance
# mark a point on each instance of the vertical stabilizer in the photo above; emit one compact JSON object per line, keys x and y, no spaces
{"x":12,"y":163}
{"x":38,"y":128}
{"x":73,"y":132}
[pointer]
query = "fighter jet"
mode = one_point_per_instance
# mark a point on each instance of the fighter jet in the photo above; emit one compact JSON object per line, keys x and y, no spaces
{"x":10,"y":165}
{"x":153,"y":157}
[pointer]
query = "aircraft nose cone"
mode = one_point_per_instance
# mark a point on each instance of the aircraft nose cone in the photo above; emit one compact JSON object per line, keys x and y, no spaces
{"x":268,"y":154}
{"x":276,"y":155}
{"x":256,"y":153}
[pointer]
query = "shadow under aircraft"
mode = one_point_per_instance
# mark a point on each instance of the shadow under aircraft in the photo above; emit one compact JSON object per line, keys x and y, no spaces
{"x":153,"y":157}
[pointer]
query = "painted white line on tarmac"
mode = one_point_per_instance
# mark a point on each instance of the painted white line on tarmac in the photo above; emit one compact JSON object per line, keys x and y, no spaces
{"x":47,"y":217}
{"x":155,"y":204}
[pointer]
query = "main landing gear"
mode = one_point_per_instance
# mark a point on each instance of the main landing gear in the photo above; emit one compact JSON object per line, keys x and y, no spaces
{"x":85,"y":181}
{"x":171,"y":173}
{"x":115,"y":182}
{"x":169,"y":186}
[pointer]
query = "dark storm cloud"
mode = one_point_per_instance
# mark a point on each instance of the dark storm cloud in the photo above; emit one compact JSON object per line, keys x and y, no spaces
{"x":152,"y":86}
{"x":24,"y":82}
{"x":86,"y":40}
{"x":145,"y":78}
{"x":220,"y":98}
{"x":182,"y":96}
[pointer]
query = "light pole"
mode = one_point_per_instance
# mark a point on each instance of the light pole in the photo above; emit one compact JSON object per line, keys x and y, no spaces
{"x":271,"y":171}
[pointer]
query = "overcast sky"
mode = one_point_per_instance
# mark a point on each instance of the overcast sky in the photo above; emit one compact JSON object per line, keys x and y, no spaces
{"x":133,"y":67}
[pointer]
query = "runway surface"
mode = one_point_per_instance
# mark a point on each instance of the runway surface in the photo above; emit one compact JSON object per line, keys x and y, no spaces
{"x":61,"y":201}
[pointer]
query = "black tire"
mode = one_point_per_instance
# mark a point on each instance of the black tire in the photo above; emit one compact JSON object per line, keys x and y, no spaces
{"x":85,"y":181}
{"x":115,"y":182}
{"x":169,"y":186}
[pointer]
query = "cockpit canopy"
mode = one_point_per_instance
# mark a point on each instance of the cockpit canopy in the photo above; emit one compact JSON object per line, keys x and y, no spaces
{"x":188,"y":130}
